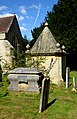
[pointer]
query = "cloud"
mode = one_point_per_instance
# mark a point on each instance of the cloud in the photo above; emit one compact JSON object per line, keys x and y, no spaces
{"x":27,"y":17}
{"x":24,"y":24}
{"x":23,"y":28}
{"x":22,"y":9}
{"x":21,"y":18}
{"x":48,"y":7}
{"x":3,"y":8}
{"x":6,"y":14}
{"x":34,"y":6}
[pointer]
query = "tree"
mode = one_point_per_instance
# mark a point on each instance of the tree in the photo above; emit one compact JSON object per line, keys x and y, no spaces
{"x":35,"y":33}
{"x":25,"y":42}
{"x":62,"y":22}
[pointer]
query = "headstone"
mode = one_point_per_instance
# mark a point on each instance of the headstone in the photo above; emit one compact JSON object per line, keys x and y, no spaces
{"x":44,"y":94}
{"x":74,"y":85}
{"x":20,"y":78}
{"x":74,"y":82}
{"x":67,"y":77}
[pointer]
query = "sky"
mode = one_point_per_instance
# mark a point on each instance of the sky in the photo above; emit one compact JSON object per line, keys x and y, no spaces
{"x":29,"y":13}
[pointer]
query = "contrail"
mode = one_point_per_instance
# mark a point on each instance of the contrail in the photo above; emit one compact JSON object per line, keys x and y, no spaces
{"x":37,"y":15}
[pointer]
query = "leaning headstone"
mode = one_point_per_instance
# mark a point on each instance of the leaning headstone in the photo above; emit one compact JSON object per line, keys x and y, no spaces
{"x":67,"y":77}
{"x":44,"y":94}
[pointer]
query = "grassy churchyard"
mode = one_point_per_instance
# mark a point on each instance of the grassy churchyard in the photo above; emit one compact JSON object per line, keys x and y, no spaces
{"x":62,"y":103}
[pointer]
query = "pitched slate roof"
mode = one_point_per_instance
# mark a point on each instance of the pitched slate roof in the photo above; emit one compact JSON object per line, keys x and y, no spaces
{"x":5,"y":23}
{"x":45,"y":43}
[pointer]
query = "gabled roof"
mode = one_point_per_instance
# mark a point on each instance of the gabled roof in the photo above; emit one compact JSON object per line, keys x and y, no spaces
{"x":45,"y":43}
{"x":5,"y":23}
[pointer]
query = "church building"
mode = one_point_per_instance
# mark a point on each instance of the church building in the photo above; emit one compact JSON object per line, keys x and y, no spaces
{"x":10,"y":38}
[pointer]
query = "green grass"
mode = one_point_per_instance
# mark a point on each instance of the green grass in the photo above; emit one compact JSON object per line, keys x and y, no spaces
{"x":24,"y":105}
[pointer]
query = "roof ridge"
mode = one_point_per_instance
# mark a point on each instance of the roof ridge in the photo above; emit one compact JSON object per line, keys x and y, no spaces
{"x":7,"y":16}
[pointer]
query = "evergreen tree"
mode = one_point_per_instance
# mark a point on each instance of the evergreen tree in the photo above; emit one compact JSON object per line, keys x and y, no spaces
{"x":35,"y":33}
{"x":62,"y":22}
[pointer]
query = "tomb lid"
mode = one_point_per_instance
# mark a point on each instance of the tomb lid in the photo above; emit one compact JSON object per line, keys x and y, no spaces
{"x":45,"y":43}
{"x":22,"y":70}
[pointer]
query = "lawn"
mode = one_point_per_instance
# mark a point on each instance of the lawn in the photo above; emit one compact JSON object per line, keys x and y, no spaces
{"x":62,"y":103}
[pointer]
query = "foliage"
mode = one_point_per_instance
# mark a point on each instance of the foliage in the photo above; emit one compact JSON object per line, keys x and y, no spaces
{"x":62,"y":22}
{"x":38,"y":62}
{"x":3,"y":85}
{"x":21,"y":46}
{"x":16,"y":55}
{"x":19,"y":60}
{"x":19,"y":56}
{"x":6,"y":65}
{"x":35,"y":33}
{"x":34,"y":62}
{"x":62,"y":103}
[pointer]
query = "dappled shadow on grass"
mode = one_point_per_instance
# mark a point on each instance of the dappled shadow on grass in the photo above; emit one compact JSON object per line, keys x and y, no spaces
{"x":49,"y":104}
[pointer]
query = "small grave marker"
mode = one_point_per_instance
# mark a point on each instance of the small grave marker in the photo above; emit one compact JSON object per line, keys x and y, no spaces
{"x":74,"y":82}
{"x":67,"y":77}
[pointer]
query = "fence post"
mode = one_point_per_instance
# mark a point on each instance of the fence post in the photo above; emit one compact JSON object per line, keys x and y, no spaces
{"x":44,"y":94}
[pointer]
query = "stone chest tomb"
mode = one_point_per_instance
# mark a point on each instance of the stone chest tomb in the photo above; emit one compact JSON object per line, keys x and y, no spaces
{"x":25,"y":79}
